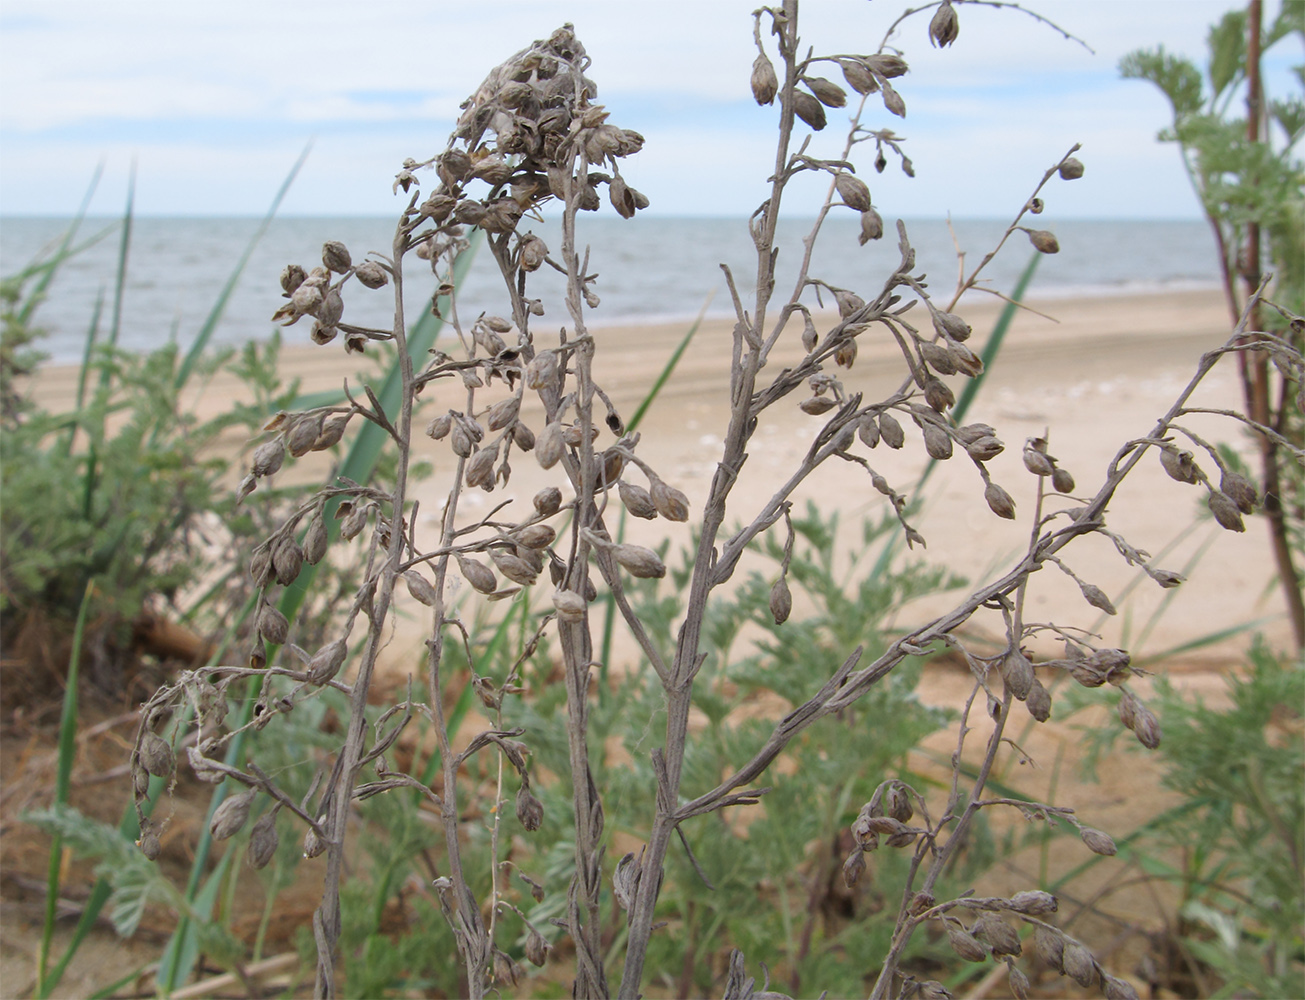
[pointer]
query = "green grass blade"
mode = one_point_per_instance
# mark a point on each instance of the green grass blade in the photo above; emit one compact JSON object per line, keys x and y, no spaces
{"x":62,"y":785}
{"x":219,"y":307}
{"x":124,"y":249}
{"x":48,"y":269}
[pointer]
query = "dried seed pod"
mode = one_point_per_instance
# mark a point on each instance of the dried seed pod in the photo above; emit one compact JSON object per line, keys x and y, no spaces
{"x":937,"y":357}
{"x":1239,"y":489}
{"x":1019,"y":983}
{"x":765,"y":84}
{"x":1017,"y":672}
{"x":287,"y":560}
{"x":530,"y":811}
{"x":887,"y":65}
{"x":938,"y":395}
{"x":371,"y":274}
{"x":315,"y":540}
{"x":999,"y":501}
{"x":291,"y":278}
{"x":476,"y":573}
{"x":532,"y":253}
{"x":1043,"y":241}
{"x":548,"y":501}
{"x":671,"y":503}
{"x":542,"y":371}
{"x":965,"y":944}
{"x":156,"y":755}
{"x":845,"y":355}
{"x":968,"y":363}
{"x":858,"y":76}
{"x":1050,"y":945}
{"x":830,"y":94}
{"x":894,"y":104}
{"x":872,"y":226}
{"x":853,"y":191}
{"x":809,"y":336}
{"x":480,"y":469}
{"x":550,"y":445}
{"x":570,"y":605}
{"x":853,"y":867}
{"x":1062,"y":481}
{"x":420,"y":588}
{"x":230,"y":816}
{"x":523,"y":437}
{"x":849,"y":303}
{"x":868,"y":431}
{"x":534,"y":536}
{"x":816,"y":405}
{"x":1146,"y":726}
{"x":326,"y":662}
{"x":536,"y":948}
{"x":639,"y":561}
{"x":1167,"y":578}
{"x":951,"y":326}
{"x":1096,"y":597}
{"x":810,"y":110}
{"x":502,"y":413}
{"x":1225,"y":511}
{"x":1117,"y":989}
{"x":439,"y":427}
{"x":1079,"y":964}
{"x":272,"y":625}
{"x":268,"y":457}
{"x":998,"y":935}
{"x":263,"y":841}
{"x":1179,"y":464}
{"x":1039,"y":701}
{"x":937,"y":442}
{"x":891,"y":431}
{"x":313,"y":844}
{"x":1071,"y":169}
{"x":305,"y":301}
{"x":205,"y":770}
{"x":1037,"y":462}
{"x":354,"y":521}
{"x":944,"y":27}
{"x":1098,"y":842}
{"x":985,"y":449}
{"x":897,"y":803}
{"x":637,"y":500}
{"x":1034,"y":902}
{"x":781,"y":601}
{"x":149,"y":843}
{"x":513,"y":567}
{"x":329,"y":313}
{"x":304,"y":435}
{"x":1128,"y":709}
{"x":332,"y":432}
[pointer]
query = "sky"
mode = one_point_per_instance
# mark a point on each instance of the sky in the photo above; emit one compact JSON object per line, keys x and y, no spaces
{"x":215,"y":101}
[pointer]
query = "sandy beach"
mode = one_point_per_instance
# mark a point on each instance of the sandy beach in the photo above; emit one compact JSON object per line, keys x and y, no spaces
{"x":1094,"y":375}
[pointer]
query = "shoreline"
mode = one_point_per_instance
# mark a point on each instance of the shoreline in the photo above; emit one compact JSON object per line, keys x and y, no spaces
{"x":1095,"y":379}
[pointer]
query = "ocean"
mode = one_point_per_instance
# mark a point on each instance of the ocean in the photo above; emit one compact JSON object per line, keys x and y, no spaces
{"x":648,"y":269}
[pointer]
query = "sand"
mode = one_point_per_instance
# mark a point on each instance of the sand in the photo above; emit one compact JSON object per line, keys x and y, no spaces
{"x":1095,"y":376}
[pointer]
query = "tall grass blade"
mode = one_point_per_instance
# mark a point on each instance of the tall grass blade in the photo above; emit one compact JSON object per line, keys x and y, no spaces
{"x":62,"y":785}
{"x":50,"y":268}
{"x":124,"y":248}
{"x":219,"y":307}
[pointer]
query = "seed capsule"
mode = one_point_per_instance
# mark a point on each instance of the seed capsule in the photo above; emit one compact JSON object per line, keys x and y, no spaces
{"x":1117,"y":989}
{"x":1017,"y":672}
{"x":480,"y":576}
{"x":1146,"y":726}
{"x":765,"y":84}
{"x":304,"y":435}
{"x":548,"y":501}
{"x":639,"y":561}
{"x":1019,"y":983}
{"x":1039,"y":701}
{"x":332,"y":432}
{"x":480,"y":470}
{"x":230,"y":816}
{"x":1096,"y":597}
{"x":1062,"y":481}
{"x":536,"y":948}
{"x":816,"y":405}
{"x":952,"y":326}
{"x":291,"y":278}
{"x":268,"y":457}
{"x":149,"y":844}
{"x":671,"y":503}
{"x":938,"y":395}
{"x":533,"y":252}
{"x":853,"y":867}
{"x":371,"y":274}
{"x":891,"y":431}
{"x":858,"y":76}
{"x":570,"y":605}
{"x":530,"y":811}
{"x":1079,"y":964}
{"x":1034,"y":902}
{"x":985,"y":449}
{"x":781,"y":601}
{"x":326,"y":662}
{"x":1240,"y":491}
{"x":420,"y":588}
{"x":513,"y":567}
{"x":1225,"y":511}
{"x":550,"y":445}
{"x":830,"y":94}
{"x":287,"y":560}
{"x":1000,"y":936}
{"x":1071,"y":169}
{"x":1043,"y":241}
{"x":853,"y":191}
{"x":944,"y":27}
{"x":1037,"y":462}
{"x":810,"y":110}
{"x":965,"y":944}
{"x":937,"y":442}
{"x":263,"y":841}
{"x":637,"y":500}
{"x":272,"y":625}
{"x":155,"y":755}
{"x":315,"y":540}
{"x":534,"y":536}
{"x":1098,"y":842}
{"x":999,"y":501}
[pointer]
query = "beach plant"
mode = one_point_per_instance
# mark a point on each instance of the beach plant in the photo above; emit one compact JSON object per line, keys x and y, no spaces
{"x":502,"y":390}
{"x":1250,"y":182}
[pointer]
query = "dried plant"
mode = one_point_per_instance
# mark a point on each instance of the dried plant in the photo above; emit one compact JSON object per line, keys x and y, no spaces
{"x":530,"y":134}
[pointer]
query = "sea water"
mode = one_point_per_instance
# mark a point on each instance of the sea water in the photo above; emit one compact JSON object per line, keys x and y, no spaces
{"x":646,"y":269}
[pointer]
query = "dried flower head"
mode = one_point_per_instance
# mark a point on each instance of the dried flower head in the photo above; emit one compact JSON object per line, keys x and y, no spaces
{"x":944,"y":27}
